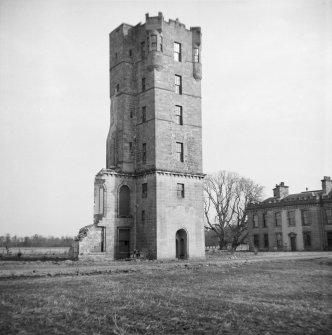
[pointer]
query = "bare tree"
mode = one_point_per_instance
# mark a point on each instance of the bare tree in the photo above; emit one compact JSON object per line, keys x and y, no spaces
{"x":227,"y":196}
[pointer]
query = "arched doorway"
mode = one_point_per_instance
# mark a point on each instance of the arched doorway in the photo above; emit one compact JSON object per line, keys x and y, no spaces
{"x":181,"y":246}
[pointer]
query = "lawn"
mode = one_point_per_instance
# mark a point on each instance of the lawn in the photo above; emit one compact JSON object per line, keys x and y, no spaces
{"x":270,"y":297}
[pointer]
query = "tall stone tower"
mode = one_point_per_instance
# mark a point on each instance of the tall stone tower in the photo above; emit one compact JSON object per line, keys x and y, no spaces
{"x":150,"y":196}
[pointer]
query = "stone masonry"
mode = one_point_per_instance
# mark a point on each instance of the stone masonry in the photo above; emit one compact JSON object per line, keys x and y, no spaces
{"x":149,"y":199}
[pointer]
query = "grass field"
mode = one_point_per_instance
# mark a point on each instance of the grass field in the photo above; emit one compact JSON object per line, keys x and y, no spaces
{"x":275,"y":297}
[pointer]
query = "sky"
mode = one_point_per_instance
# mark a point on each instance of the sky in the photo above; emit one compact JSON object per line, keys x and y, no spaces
{"x":266,"y":98}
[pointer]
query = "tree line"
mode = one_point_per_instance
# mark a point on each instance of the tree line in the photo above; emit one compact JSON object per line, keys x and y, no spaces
{"x":35,"y":241}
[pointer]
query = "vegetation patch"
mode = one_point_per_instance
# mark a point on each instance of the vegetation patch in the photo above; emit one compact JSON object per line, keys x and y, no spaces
{"x":276,"y":297}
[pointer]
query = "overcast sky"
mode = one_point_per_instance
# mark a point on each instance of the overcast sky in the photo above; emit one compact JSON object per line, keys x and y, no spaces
{"x":266,"y":88}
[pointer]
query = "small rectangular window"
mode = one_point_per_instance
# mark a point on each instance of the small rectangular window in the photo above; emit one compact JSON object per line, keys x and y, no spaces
{"x":256,"y":241}
{"x":143,"y":84}
{"x":291,"y":218}
{"x":196,"y":55}
{"x":143,"y":216}
{"x":307,"y":239}
{"x":116,"y":56}
{"x":130,"y":53}
{"x":266,"y":241}
{"x":130,"y":146}
{"x":143,"y":114}
{"x":277,"y":217}
{"x":179,"y":151}
{"x":328,"y":213}
{"x":144,"y":190}
{"x":161,"y":43}
{"x":131,"y":113}
{"x":143,"y":49}
{"x":144,"y":153}
{"x":255,"y":221}
{"x":279,"y":240}
{"x":101,"y":201}
{"x":305,"y":218}
{"x":264,"y":220}
{"x":177,"y":51}
{"x":153,"y":42}
{"x":179,"y":115}
{"x":180,"y":190}
{"x":178,"y":84}
{"x":117,"y":87}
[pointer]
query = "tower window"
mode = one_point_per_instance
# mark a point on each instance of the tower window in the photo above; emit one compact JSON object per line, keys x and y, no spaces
{"x":161,"y":43}
{"x":178,"y":84}
{"x":196,"y":55}
{"x":179,"y":151}
{"x":144,"y":153}
{"x":130,"y":53}
{"x":117,"y":88}
{"x":178,"y":114}
{"x":177,"y":51}
{"x":143,"y":216}
{"x":143,"y":114}
{"x":180,"y":190}
{"x":143,"y":84}
{"x":124,"y":201}
{"x":101,"y":201}
{"x":130,"y":146}
{"x":143,"y":49}
{"x":153,"y":42}
{"x":144,"y":190}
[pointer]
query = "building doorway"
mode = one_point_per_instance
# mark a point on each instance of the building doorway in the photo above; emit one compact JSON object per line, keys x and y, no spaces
{"x":123,"y":243}
{"x":181,"y":246}
{"x":292,"y":237}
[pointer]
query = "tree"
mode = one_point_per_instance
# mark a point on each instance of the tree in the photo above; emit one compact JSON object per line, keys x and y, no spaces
{"x":227,"y":196}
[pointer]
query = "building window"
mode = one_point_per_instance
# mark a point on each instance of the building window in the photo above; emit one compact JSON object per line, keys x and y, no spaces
{"x":130,"y":53}
{"x":196,"y":55}
{"x":143,"y":216}
{"x":307,"y":239}
{"x":180,"y":190}
{"x":101,"y":200}
{"x":116,"y":56}
{"x":131,"y":113}
{"x":117,"y":88}
{"x":277,"y":217}
{"x":177,"y":52}
{"x":279,"y":240}
{"x":291,"y":218}
{"x":143,"y":114}
{"x":143,"y":84}
{"x":264,"y":220}
{"x":178,"y":84}
{"x":329,"y":239}
{"x":305,"y":218}
{"x":256,"y":241}
{"x":144,"y":153}
{"x":179,"y":115}
{"x":255,"y":220}
{"x":153,"y":42}
{"x":266,"y":241}
{"x":143,"y":49}
{"x":130,"y":146}
{"x":179,"y":151}
{"x":144,"y":190}
{"x":328,"y":213}
{"x":124,"y":201}
{"x":161,"y":43}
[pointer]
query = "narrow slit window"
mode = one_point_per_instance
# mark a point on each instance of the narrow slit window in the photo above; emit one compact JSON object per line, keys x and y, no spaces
{"x":178,"y":84}
{"x":144,"y":114}
{"x":143,"y":84}
{"x":179,"y":151}
{"x":144,"y":190}
{"x":144,"y":153}
{"x":196,"y":55}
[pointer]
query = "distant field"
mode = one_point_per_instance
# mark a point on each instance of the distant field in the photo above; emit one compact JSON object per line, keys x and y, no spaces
{"x":35,"y":251}
{"x":268,"y":297}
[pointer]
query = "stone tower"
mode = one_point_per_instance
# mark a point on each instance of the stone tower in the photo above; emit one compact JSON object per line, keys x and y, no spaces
{"x":150,"y":196}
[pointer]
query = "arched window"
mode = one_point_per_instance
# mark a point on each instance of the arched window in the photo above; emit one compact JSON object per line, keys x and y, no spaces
{"x":124,"y":201}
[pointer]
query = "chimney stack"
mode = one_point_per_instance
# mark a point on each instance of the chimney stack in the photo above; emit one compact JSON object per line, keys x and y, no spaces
{"x":326,"y":185}
{"x":280,"y":191}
